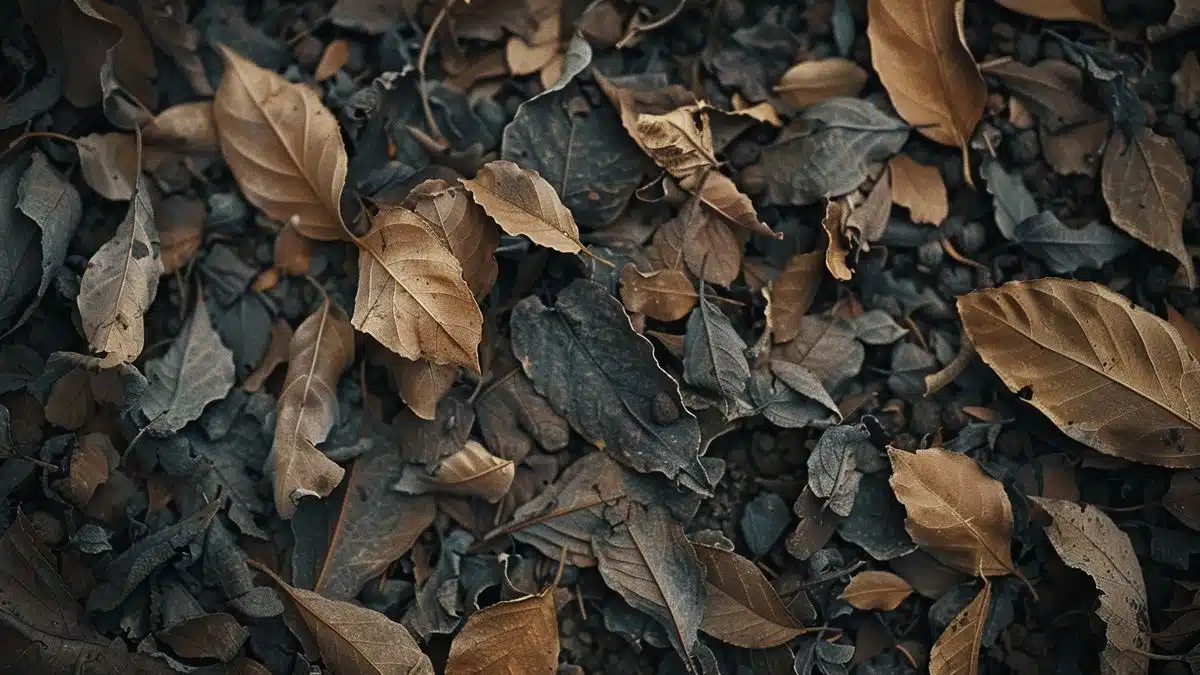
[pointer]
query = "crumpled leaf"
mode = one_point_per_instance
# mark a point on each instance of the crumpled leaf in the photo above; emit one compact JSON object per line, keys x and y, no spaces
{"x":811,"y":82}
{"x":463,"y":227}
{"x":713,"y":355}
{"x":195,"y":371}
{"x":523,"y":203}
{"x":283,"y":146}
{"x":514,"y":417}
{"x":320,"y":350}
{"x":920,"y":189}
{"x":833,"y":466}
{"x":956,"y":651}
{"x":1065,"y":249}
{"x":586,"y":359}
{"x":514,"y":636}
{"x":470,"y":472}
{"x":411,"y":294}
{"x":663,"y":295}
{"x":876,"y":590}
{"x":741,"y":608}
{"x":1088,"y":540}
{"x":956,"y":512}
{"x":1109,"y":374}
{"x":1089,"y":11}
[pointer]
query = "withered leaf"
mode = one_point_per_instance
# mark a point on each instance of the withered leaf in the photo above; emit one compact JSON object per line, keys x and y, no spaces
{"x":810,"y":82}
{"x":703,"y":241}
{"x":411,"y":294}
{"x":653,"y":566}
{"x":320,"y":350}
{"x":923,"y":62}
{"x":788,"y":407}
{"x":826,"y":347}
{"x":664,"y":295}
{"x":793,"y":292}
{"x":284,"y":147}
{"x":920,"y":189}
{"x":1051,"y":88}
{"x":421,"y":383}
{"x":515,"y":636}
{"x":1088,"y":540}
{"x":209,"y":636}
{"x":955,"y":511}
{"x":120,"y":282}
{"x":877,"y":590}
{"x":523,"y":203}
{"x":741,"y":608}
{"x":833,"y":466}
{"x":1109,"y":374}
{"x":956,"y":651}
{"x":1188,"y":331}
{"x":584,"y":357}
{"x":195,"y":371}
{"x":77,"y":29}
{"x":87,"y":470}
{"x":1146,"y":185}
{"x":463,"y":227}
{"x":109,"y":164}
{"x":427,"y":441}
{"x":714,"y":355}
{"x":513,"y":416}
{"x":1065,"y":249}
{"x":277,"y":355}
{"x":187,"y":127}
{"x":180,"y":224}
{"x":470,"y":472}
{"x":354,"y":640}
{"x":803,"y":382}
{"x":293,"y":252}
{"x":1090,"y":11}
{"x":1183,"y":498}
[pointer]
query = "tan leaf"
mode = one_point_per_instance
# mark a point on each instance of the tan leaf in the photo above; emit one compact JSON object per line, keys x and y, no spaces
{"x":1186,"y":329}
{"x":528,"y":57}
{"x":180,"y":222}
{"x":664,"y":295}
{"x":836,"y":213}
{"x":283,"y":147}
{"x":869,"y":218}
{"x":470,"y":472}
{"x":523,"y":203}
{"x":276,"y":355}
{"x":1088,"y":540}
{"x":1187,"y":84}
{"x":741,"y":607}
{"x":718,"y":192}
{"x":925,"y":66}
{"x":354,"y":640}
{"x":335,"y":56}
{"x":810,"y":82}
{"x":1077,"y":150}
{"x":88,"y":469}
{"x":956,"y":651}
{"x":293,"y":252}
{"x":187,"y":127}
{"x":421,"y":383}
{"x":319,"y":351}
{"x":702,"y":241}
{"x":1088,"y":11}
{"x":920,"y":189}
{"x":679,"y":141}
{"x":463,"y":226}
{"x":876,"y":589}
{"x":1147,"y":186}
{"x":516,"y":636}
{"x":955,"y":511}
{"x":793,"y":292}
{"x":1109,"y":374}
{"x":411,"y":294}
{"x":109,"y":164}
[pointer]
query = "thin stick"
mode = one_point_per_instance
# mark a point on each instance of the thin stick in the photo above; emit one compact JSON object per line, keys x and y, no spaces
{"x":421,"y":57}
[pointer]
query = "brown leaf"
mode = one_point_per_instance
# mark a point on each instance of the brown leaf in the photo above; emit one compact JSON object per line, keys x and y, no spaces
{"x":741,"y":607}
{"x":793,"y":292}
{"x":663,"y":295}
{"x":955,"y":511}
{"x":1077,"y":150}
{"x":869,"y":217}
{"x":1109,"y":374}
{"x":180,"y":222}
{"x":526,"y":57}
{"x":1088,"y":11}
{"x":1051,"y":88}
{"x":293,"y":252}
{"x":698,"y":238}
{"x":836,"y":213}
{"x":88,"y":469}
{"x":513,"y":416}
{"x":277,"y":355}
{"x":956,"y":651}
{"x":877,"y":590}
{"x":463,"y":226}
{"x":523,"y":203}
{"x":421,"y":383}
{"x":1088,"y":540}
{"x":470,"y":472}
{"x":811,"y":82}
{"x":1146,"y":184}
{"x":336,"y":55}
{"x":516,"y":636}
{"x":920,"y":189}
{"x":924,"y":64}
{"x":187,"y":127}
{"x":109,"y":164}
{"x":75,"y":39}
{"x":319,"y":351}
{"x":354,"y":640}
{"x":283,"y":147}
{"x":411,"y":293}
{"x":1187,"y":83}
{"x":208,"y":636}
{"x":1187,"y":330}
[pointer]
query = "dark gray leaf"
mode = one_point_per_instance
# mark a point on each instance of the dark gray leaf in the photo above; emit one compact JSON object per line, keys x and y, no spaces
{"x":714,"y":355}
{"x":784,"y":407}
{"x":437,"y":606}
{"x":585,"y":358}
{"x":133,"y":383}
{"x":232,"y":470}
{"x":1066,"y":249}
{"x":1013,"y":201}
{"x":802,"y":381}
{"x":910,"y":365}
{"x":833,"y":466}
{"x":876,"y":523}
{"x":814,"y":654}
{"x":763,"y":521}
{"x":876,"y":327}
{"x":245,"y":327}
{"x":19,"y":256}
{"x":19,"y":366}
{"x":92,"y":539}
{"x":634,"y":626}
{"x":650,"y":562}
{"x":827,"y":150}
{"x":427,"y":441}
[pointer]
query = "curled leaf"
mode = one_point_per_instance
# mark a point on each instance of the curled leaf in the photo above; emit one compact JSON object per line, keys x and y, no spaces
{"x":470,"y":472}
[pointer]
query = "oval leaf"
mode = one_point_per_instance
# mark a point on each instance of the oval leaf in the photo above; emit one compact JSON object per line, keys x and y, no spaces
{"x":877,"y":590}
{"x":663,"y":295}
{"x":742,"y":608}
{"x":523,"y":203}
{"x":463,"y":227}
{"x":956,"y":651}
{"x":517,"y":636}
{"x":920,"y":189}
{"x":811,"y":82}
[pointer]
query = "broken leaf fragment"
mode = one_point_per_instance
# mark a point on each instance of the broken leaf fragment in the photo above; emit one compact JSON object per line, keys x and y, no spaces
{"x":514,"y":636}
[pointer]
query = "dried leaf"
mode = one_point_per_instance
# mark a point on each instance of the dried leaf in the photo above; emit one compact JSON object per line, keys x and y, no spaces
{"x":277,"y":355}
{"x":836,"y":254}
{"x":1078,"y":150}
{"x":876,"y":590}
{"x":956,"y":651}
{"x":523,"y":203}
{"x":1066,"y":249}
{"x":109,"y":164}
{"x":293,"y":252}
{"x":1088,"y":540}
{"x":208,"y":636}
{"x":811,"y":82}
{"x":354,"y":640}
{"x":1147,"y":187}
{"x":920,"y":189}
{"x":703,"y":241}
{"x":663,"y":295}
{"x":335,"y":56}
{"x":741,"y":608}
{"x":1109,"y":374}
{"x":180,"y":223}
{"x":186,"y":127}
{"x":955,"y":511}
{"x":1186,"y":329}
{"x":828,"y":348}
{"x":320,"y":350}
{"x":1089,"y":11}
{"x":833,"y":466}
{"x":1051,"y":88}
{"x":714,"y":355}
{"x":1183,"y":498}
{"x":515,"y":636}
{"x":422,"y":384}
{"x":411,"y":293}
{"x":88,"y":469}
{"x":470,"y":472}
{"x":1014,"y":203}
{"x":793,"y":292}
{"x":463,"y":227}
{"x":868,"y":218}
{"x":195,"y":371}
{"x":284,"y":148}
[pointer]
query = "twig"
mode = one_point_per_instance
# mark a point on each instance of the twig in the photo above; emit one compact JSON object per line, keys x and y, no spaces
{"x":421,"y":58}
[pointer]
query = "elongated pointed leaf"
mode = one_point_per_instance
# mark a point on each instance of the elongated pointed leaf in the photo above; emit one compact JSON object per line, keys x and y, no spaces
{"x":713,"y":354}
{"x":195,"y":371}
{"x":523,"y":203}
{"x":956,"y":651}
{"x":741,"y":607}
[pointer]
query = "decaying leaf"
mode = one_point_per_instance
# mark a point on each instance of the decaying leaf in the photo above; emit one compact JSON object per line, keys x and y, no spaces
{"x":284,"y":147}
{"x":463,"y":226}
{"x":1090,"y":11}
{"x":956,"y":651}
{"x":741,"y":608}
{"x":523,"y":203}
{"x":515,"y":636}
{"x":920,"y":189}
{"x":1106,"y":372}
{"x":1088,"y":540}
{"x":811,"y":82}
{"x":955,"y":511}
{"x":665,"y":295}
{"x":470,"y":472}
{"x":836,"y":254}
{"x":876,"y":590}
{"x":320,"y":350}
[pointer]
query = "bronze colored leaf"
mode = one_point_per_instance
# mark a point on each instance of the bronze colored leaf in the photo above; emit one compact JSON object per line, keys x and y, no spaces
{"x":516,"y":636}
{"x":320,"y":350}
{"x":411,"y":293}
{"x":180,"y":222}
{"x":463,"y":226}
{"x":834,"y":222}
{"x":88,"y":469}
{"x":920,"y":189}
{"x":811,"y":82}
{"x":277,"y":355}
{"x":336,"y":55}
{"x":293,"y":252}
{"x":187,"y":127}
{"x":679,"y":141}
{"x":523,"y":203}
{"x":1186,"y":329}
{"x":208,"y":636}
{"x":877,"y":590}
{"x":283,"y":147}
{"x":956,"y":651}
{"x":955,"y":511}
{"x":793,"y":292}
{"x":1106,"y":372}
{"x":1088,"y":11}
{"x":354,"y":640}
{"x":1088,"y":540}
{"x":741,"y":607}
{"x":109,"y":164}
{"x":663,"y":295}
{"x":1147,"y":186}
{"x":470,"y":472}
{"x":421,"y":383}
{"x":923,"y":62}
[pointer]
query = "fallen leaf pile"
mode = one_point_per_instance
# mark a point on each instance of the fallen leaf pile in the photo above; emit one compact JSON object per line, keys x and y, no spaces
{"x":545,"y":337}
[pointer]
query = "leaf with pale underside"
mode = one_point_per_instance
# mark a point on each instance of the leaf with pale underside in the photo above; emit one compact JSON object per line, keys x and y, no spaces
{"x":523,"y":203}
{"x":1088,"y":540}
{"x":463,"y":227}
{"x":470,"y":472}
{"x":920,"y":189}
{"x":515,"y":636}
{"x":354,"y":640}
{"x":109,"y":164}
{"x":411,"y":294}
{"x":956,"y":651}
{"x":1089,"y":11}
{"x":1106,"y":372}
{"x":876,"y":590}
{"x":810,"y":82}
{"x":283,"y":146}
{"x":793,"y":292}
{"x":195,"y":371}
{"x":741,"y":607}
{"x":833,"y":466}
{"x":956,"y":512}
{"x":664,"y":295}
{"x":320,"y":350}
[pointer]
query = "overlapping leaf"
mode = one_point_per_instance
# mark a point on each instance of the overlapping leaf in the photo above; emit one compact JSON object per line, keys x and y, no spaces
{"x":741,"y":606}
{"x":515,"y":636}
{"x":195,"y":371}
{"x":956,"y":651}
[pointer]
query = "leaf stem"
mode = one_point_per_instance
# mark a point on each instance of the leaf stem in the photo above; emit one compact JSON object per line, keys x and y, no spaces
{"x":421,"y":58}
